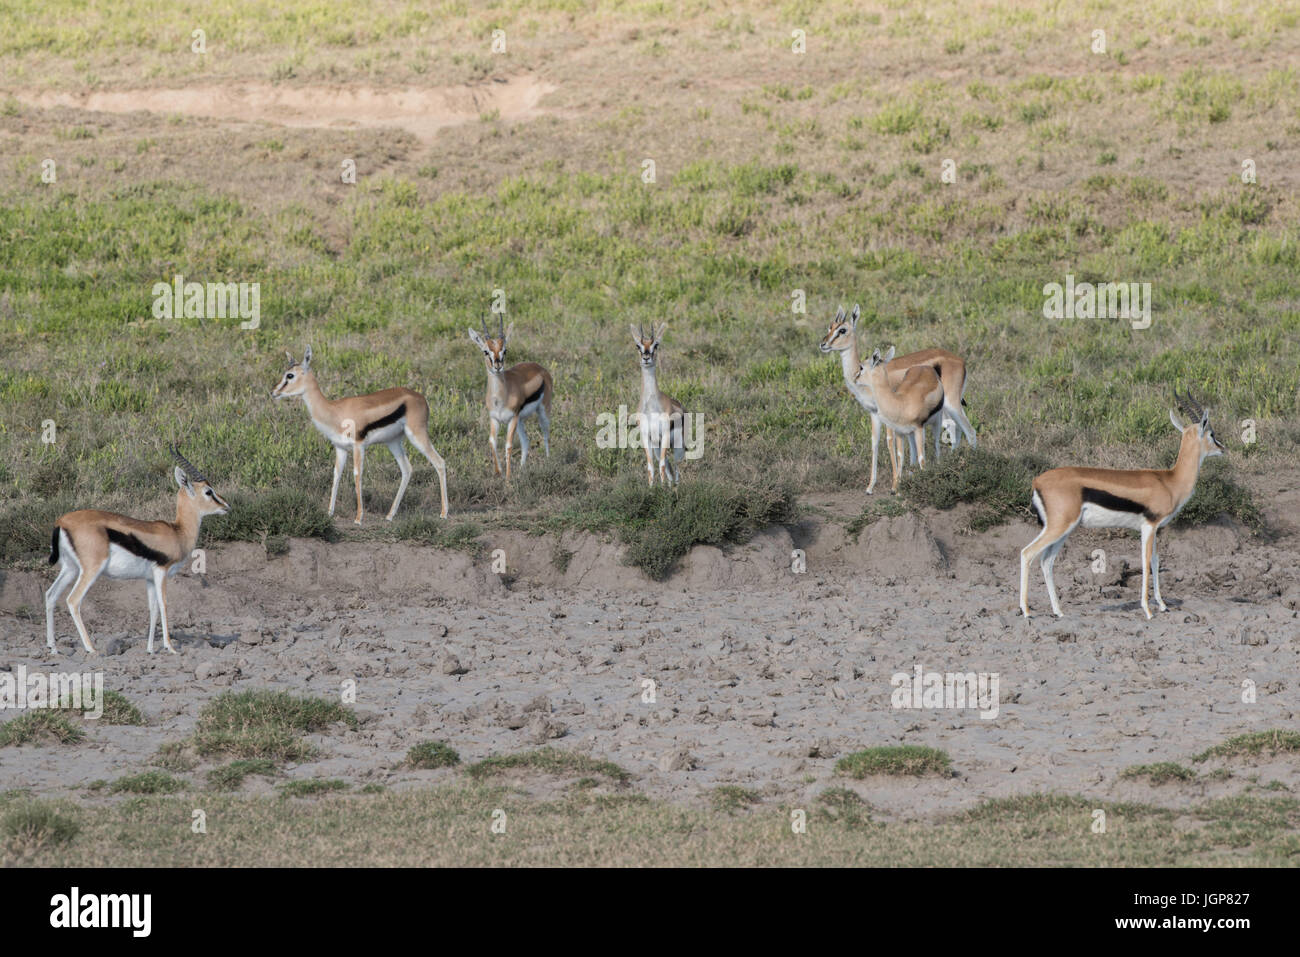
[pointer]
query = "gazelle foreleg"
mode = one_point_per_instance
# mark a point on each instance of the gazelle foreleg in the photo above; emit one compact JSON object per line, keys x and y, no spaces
{"x":492,"y":444}
{"x":1148,"y":547}
{"x":1155,"y":572}
{"x":510,"y":441}
{"x":340,"y":460}
{"x":875,"y":445}
{"x":522,"y":431}
{"x":153,"y":611}
{"x":160,"y":589}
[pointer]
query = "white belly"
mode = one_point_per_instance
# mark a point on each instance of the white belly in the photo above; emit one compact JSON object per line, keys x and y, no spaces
{"x":124,"y":564}
{"x":1094,"y":516}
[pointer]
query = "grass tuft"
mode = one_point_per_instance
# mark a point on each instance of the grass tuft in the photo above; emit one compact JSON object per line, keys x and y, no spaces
{"x":550,"y":761}
{"x":1252,"y":745}
{"x":36,"y":727}
{"x":908,"y":759}
{"x":432,"y":754}
{"x":1160,"y":773}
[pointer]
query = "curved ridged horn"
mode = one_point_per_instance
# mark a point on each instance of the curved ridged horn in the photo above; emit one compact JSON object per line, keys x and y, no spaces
{"x":187,"y":466}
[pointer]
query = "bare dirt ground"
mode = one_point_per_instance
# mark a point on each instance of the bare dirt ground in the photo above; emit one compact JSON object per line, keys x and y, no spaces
{"x":420,"y":111}
{"x":763,"y":676}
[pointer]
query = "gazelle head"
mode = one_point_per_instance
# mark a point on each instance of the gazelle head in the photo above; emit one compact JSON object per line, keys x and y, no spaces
{"x":193,"y":483}
{"x":1199,"y":420}
{"x":840,"y":335}
{"x":648,"y":346}
{"x":875,"y":361}
{"x":494,"y":347}
{"x":294,"y":381}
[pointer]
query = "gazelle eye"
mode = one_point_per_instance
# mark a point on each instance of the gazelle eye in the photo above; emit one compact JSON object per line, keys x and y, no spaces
{"x":208,"y":493}
{"x":289,"y":376}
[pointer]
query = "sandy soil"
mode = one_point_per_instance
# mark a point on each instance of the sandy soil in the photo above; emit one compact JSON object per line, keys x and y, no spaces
{"x":422,"y":111}
{"x":763,"y":675}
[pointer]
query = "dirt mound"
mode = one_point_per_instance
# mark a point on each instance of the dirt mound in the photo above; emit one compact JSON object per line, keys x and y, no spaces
{"x":423,"y":112}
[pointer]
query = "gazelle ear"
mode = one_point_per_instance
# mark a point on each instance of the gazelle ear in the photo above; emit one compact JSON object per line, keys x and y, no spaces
{"x":1177,"y":422}
{"x":183,"y":480}
{"x":475,"y":338}
{"x":636,"y":336}
{"x":875,"y":357}
{"x":890,"y":354}
{"x":289,"y":355}
{"x":510,"y":331}
{"x":857,"y":313}
{"x":306,"y":358}
{"x":839,"y":314}
{"x":660,"y":334}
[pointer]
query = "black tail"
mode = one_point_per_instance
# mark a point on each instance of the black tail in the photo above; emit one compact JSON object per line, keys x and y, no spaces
{"x":54,"y":546}
{"x":963,"y":401}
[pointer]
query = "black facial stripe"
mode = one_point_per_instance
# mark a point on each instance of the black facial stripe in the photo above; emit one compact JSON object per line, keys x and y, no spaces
{"x":394,"y":416}
{"x":1116,"y":503}
{"x":136,"y":547}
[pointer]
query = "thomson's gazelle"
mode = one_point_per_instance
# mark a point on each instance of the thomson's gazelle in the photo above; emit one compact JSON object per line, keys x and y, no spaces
{"x":906,"y":407}
{"x":1144,"y":500}
{"x":660,"y":416}
{"x":353,"y":423}
{"x":841,"y":337}
{"x":89,"y":543}
{"x":513,"y":395}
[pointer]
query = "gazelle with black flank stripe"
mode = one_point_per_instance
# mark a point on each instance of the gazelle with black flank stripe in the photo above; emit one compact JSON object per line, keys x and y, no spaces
{"x":1144,"y":500}
{"x":90,"y":543}
{"x":513,"y":395}
{"x":380,"y":418}
{"x":906,"y":407}
{"x":951,"y":368}
{"x":661,"y":418}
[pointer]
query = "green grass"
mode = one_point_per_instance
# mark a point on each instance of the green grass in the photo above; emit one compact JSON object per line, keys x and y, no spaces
{"x":1216,"y":496}
{"x":30,"y":826}
{"x":732,"y":797}
{"x":264,"y":724}
{"x":548,"y":761}
{"x":280,"y":514}
{"x":148,"y":782}
{"x":117,"y":709}
{"x":40,"y":727}
{"x":310,"y":787}
{"x":432,"y":754}
{"x":996,"y":486}
{"x":1254,"y":744}
{"x":660,"y":525}
{"x":448,"y":825}
{"x":230,"y":777}
{"x":1160,"y":773}
{"x":907,"y":759}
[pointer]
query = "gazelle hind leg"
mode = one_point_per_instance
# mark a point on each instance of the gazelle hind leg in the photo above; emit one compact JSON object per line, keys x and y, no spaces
{"x":358,"y":465}
{"x":510,"y":442}
{"x":544,"y":420}
{"x":67,"y":574}
{"x":426,"y":448}
{"x":1148,"y":541}
{"x":1046,"y":561}
{"x":404,"y":465}
{"x":84,"y":581}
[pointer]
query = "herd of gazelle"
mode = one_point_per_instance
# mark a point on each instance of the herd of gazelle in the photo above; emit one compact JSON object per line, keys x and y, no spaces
{"x":904,"y":394}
